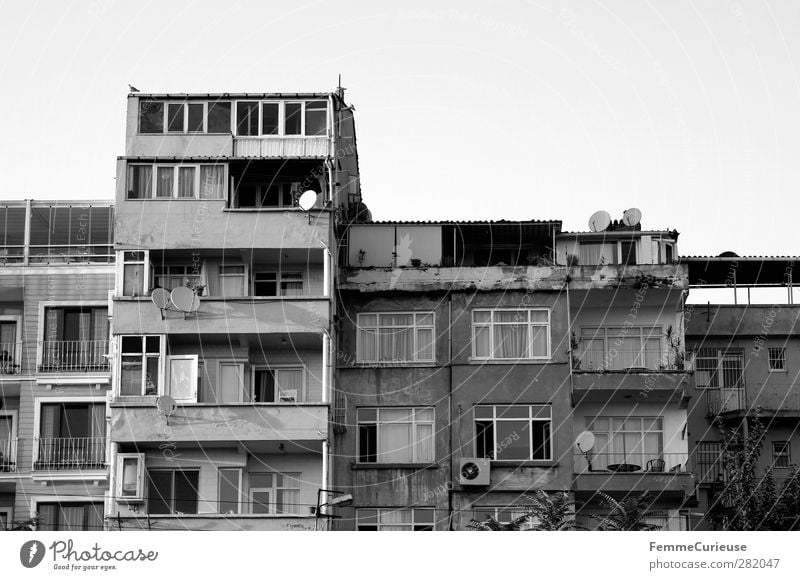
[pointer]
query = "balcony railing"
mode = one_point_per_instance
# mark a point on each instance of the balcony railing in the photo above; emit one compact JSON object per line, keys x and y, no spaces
{"x":631,"y":462}
{"x":10,"y":354}
{"x":70,"y":453}
{"x":74,"y":356}
{"x":647,"y":359}
{"x":707,"y":462}
{"x":718,"y":401}
{"x":8,"y":455}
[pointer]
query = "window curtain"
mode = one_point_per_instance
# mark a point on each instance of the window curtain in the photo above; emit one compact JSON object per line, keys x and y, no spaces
{"x":48,"y":517}
{"x":140,"y":182}
{"x":394,"y":437}
{"x":510,"y":340}
{"x":49,"y":430}
{"x":596,"y":254}
{"x":396,"y":337}
{"x":8,"y":335}
{"x":97,"y":446}
{"x":290,"y":379}
{"x":212,"y":181}
{"x":165,"y":176}
{"x":72,"y":517}
{"x":368,"y":344}
{"x":95,"y":522}
{"x":186,"y":181}
{"x":483,"y":341}
{"x":424,"y":443}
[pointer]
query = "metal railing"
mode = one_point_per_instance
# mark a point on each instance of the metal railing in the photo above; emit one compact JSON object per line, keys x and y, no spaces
{"x":719,"y":401}
{"x":647,"y":359}
{"x":69,"y":453}
{"x":706,"y":462}
{"x":89,"y":253}
{"x":8,"y":455}
{"x":631,"y":462}
{"x":74,"y":356}
{"x":10,"y":356}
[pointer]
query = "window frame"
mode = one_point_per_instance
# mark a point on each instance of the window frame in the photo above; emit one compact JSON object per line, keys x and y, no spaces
{"x":415,"y":327}
{"x":281,"y":134}
{"x":412,"y":421}
{"x":176,"y":167}
{"x":138,"y":497}
{"x":780,"y":358}
{"x":595,"y":334}
{"x":531,"y":419}
{"x":413,"y":525}
{"x":779,"y":454}
{"x":273,"y":492}
{"x":301,"y":396}
{"x":194,"y":370}
{"x":172,"y":499}
{"x":491,"y":325}
{"x":162,"y":349}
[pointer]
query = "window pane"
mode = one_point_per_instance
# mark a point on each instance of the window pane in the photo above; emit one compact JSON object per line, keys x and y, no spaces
{"x":538,"y":316}
{"x":541,"y":440}
{"x":367,"y":414}
{"x":131,"y":375}
{"x":165,"y":176}
{"x":484,"y":439}
{"x":483,"y":335}
{"x":151,"y":378}
{"x":396,"y":344}
{"x":219,"y":117}
{"x":175,"y":117}
{"x":292,"y":124}
{"x":424,"y":443}
{"x":367,"y":320}
{"x":140,"y":182}
{"x":186,"y":491}
{"x":394,"y":442}
{"x":482,"y":316}
{"x":511,"y":341}
{"x":133,"y":280}
{"x":539,"y":338}
{"x":229,"y":491}
{"x":212,"y":181}
{"x":196,"y":111}
{"x":186,"y":182}
{"x":425,"y":344}
{"x":367,"y":345}
{"x":151,"y":117}
{"x":159,"y":492}
{"x":269,"y":118}
{"x":130,"y":476}
{"x":513,"y":440}
{"x":260,"y":502}
{"x":247,"y":118}
{"x":511,"y":316}
{"x":316,"y":117}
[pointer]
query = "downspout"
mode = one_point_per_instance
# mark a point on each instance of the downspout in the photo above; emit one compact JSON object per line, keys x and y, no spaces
{"x":450,"y":409}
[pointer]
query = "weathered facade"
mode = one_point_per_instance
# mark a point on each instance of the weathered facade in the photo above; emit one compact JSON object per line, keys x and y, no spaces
{"x":56,"y":270}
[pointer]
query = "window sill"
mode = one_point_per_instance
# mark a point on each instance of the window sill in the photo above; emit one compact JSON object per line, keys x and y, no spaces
{"x":543,"y":463}
{"x":416,"y":466}
{"x":390,"y":364}
{"x":514,"y":361}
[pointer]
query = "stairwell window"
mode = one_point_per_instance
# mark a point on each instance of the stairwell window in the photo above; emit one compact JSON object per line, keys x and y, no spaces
{"x":400,"y":337}
{"x":395,"y":435}
{"x":513,"y":432}
{"x":511,"y":334}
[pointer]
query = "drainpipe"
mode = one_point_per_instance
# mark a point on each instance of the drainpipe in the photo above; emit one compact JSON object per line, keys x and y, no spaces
{"x":451,"y":475}
{"x":112,"y":477}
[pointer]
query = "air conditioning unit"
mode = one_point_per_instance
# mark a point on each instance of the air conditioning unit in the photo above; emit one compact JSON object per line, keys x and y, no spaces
{"x":288,"y":396}
{"x":473,"y":471}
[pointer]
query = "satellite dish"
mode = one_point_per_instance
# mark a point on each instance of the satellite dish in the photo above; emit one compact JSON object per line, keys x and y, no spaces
{"x":166,"y":405}
{"x":584,"y":441}
{"x":161,"y":298}
{"x":307,"y":200}
{"x":631,"y":217}
{"x":183,"y":298}
{"x":599,"y":221}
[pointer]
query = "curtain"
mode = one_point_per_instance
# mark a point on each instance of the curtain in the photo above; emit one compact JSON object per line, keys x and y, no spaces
{"x":396,"y":337}
{"x":186,"y":181}
{"x":424,"y":443}
{"x":140,"y":182}
{"x":96,"y":452}
{"x":265,"y":386}
{"x":72,"y":517}
{"x":510,"y":340}
{"x":367,"y":344}
{"x":165,"y":176}
{"x":483,"y":341}
{"x":49,"y":430}
{"x":95,"y":522}
{"x":394,"y":436}
{"x":596,"y":254}
{"x":290,"y":379}
{"x":48,"y":517}
{"x":212,"y":179}
{"x":425,"y":344}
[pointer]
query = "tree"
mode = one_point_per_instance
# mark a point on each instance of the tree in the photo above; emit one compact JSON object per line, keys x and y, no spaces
{"x":626,"y":515}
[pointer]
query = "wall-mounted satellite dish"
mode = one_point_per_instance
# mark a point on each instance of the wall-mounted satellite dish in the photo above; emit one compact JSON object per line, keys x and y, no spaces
{"x":631,"y":217}
{"x":585,"y":441}
{"x":161,"y":299}
{"x":167,"y":406}
{"x":185,"y":299}
{"x":307,"y":200}
{"x":600,"y":221}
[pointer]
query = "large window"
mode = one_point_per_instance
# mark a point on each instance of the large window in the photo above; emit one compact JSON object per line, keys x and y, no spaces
{"x":717,"y":368}
{"x":513,"y":432}
{"x":184,"y":116}
{"x":72,"y":435}
{"x":634,"y":441}
{"x":278,"y":385}
{"x":140,"y":365}
{"x":511,"y":333}
{"x":272,"y":283}
{"x":619,"y":348}
{"x":75,"y":339}
{"x":200,"y":181}
{"x":70,"y":516}
{"x":275,"y":118}
{"x":275,"y":493}
{"x":396,"y":435}
{"x":172,"y":491}
{"x":395,"y":520}
{"x":395,"y":337}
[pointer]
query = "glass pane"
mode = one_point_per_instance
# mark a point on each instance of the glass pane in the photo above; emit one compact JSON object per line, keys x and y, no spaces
{"x":402,"y":320}
{"x":196,"y":111}
{"x":424,"y":414}
{"x":511,"y":341}
{"x":186,"y":491}
{"x":394,"y":442}
{"x":151,"y":117}
{"x":247,"y":118}
{"x":368,"y":345}
{"x":151,"y":383}
{"x":293,"y":121}
{"x":260,"y":502}
{"x":159,"y":492}
{"x":513,"y":412}
{"x":511,"y":316}
{"x":424,"y":319}
{"x":229,"y":491}
{"x":481,"y":316}
{"x":540,"y":432}
{"x":175,"y":117}
{"x":269,"y":118}
{"x":130,"y":477}
{"x":367,"y":516}
{"x":367,"y":415}
{"x":140,"y":182}
{"x":483,"y":336}
{"x":260,"y":480}
{"x":539,"y":340}
{"x":286,"y":501}
{"x":513,"y":440}
{"x":212,"y":181}
{"x":316,"y":118}
{"x":131,"y":376}
{"x":425,"y":344}
{"x":539,"y":316}
{"x":424,"y":443}
{"x":133,"y":280}
{"x":186,"y":182}
{"x":395,"y":415}
{"x":165,"y":176}
{"x":370,"y":320}
{"x":396,"y":344}
{"x":219,"y":117}
{"x":484,"y":412}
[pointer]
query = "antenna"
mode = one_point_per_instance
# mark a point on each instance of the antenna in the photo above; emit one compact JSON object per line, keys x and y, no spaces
{"x":631,"y":217}
{"x":167,"y":406}
{"x":185,"y":299}
{"x":585,"y":442}
{"x":599,"y":221}
{"x":307,"y":200}
{"x":161,"y":298}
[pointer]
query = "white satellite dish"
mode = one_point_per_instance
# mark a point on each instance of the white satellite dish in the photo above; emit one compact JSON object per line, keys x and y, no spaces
{"x":166,"y":405}
{"x":161,"y":298}
{"x":585,"y":441}
{"x":307,"y":200}
{"x":600,"y":221}
{"x":632,"y":217}
{"x":183,"y":298}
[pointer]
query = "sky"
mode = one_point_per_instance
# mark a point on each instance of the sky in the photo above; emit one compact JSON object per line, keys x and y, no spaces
{"x":687,"y":110}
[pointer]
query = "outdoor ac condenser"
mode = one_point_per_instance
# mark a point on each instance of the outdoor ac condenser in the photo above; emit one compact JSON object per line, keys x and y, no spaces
{"x":473,"y":471}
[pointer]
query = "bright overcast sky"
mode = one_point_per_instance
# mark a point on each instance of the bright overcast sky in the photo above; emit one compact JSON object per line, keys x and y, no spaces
{"x":689,"y":110}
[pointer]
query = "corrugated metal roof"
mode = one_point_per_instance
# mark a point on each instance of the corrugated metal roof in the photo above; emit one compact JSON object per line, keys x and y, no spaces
{"x":230,"y":95}
{"x":738,"y":258}
{"x":461,"y":222}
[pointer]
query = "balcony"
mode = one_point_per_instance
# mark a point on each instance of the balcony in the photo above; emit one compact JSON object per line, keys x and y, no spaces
{"x":664,"y":474}
{"x":74,"y":356}
{"x":10,"y":358}
{"x":70,"y":453}
{"x":8,"y":455}
{"x":233,"y":423}
{"x":318,"y":147}
{"x":652,"y":386}
{"x":737,"y":402}
{"x":706,"y":462}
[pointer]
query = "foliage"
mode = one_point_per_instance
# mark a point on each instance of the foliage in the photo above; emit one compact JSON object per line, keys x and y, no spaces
{"x":677,"y":355}
{"x":27,"y":525}
{"x":626,"y":515}
{"x":551,"y":511}
{"x":574,"y":346}
{"x":572,"y":260}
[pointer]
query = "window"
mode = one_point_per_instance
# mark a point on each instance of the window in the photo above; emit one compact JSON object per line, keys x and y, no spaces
{"x":511,"y":334}
{"x":627,"y":440}
{"x":9,"y":348}
{"x":395,"y":520}
{"x":172,"y":491}
{"x":278,"y":385}
{"x":605,"y":253}
{"x":719,"y":368}
{"x":182,"y":377}
{"x":72,"y":435}
{"x":134,"y":273}
{"x":270,"y":118}
{"x":275,"y":118}
{"x":267,"y":283}
{"x":232,"y":281}
{"x":8,"y":443}
{"x":6,"y":517}
{"x":395,"y":435}
{"x":777,"y":359}
{"x":619,"y":348}
{"x":201,"y":181}
{"x":130,"y":477}
{"x":75,"y":339}
{"x":513,"y":432}
{"x":395,"y":337}
{"x":272,"y":194}
{"x":140,"y":360}
{"x":229,"y":384}
{"x":174,"y":276}
{"x":275,"y":493}
{"x":70,"y":516}
{"x":247,"y":118}
{"x":293,"y":119}
{"x":504,"y":515}
{"x":184,"y":116}
{"x":230,"y":490}
{"x":781,"y":454}
{"x":316,"y":117}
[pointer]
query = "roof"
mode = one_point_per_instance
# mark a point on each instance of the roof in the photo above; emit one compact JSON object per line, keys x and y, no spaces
{"x":462,"y":222}
{"x":324,"y":95}
{"x":740,"y":270}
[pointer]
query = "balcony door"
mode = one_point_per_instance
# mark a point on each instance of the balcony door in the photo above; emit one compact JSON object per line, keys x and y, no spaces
{"x":9,"y":363}
{"x":7,"y":448}
{"x":76,"y":339}
{"x":72,"y":436}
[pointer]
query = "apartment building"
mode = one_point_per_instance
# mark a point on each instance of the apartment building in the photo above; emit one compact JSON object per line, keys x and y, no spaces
{"x":222,"y":342}
{"x":473,"y":355}
{"x":56,"y":271}
{"x":741,"y":333}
